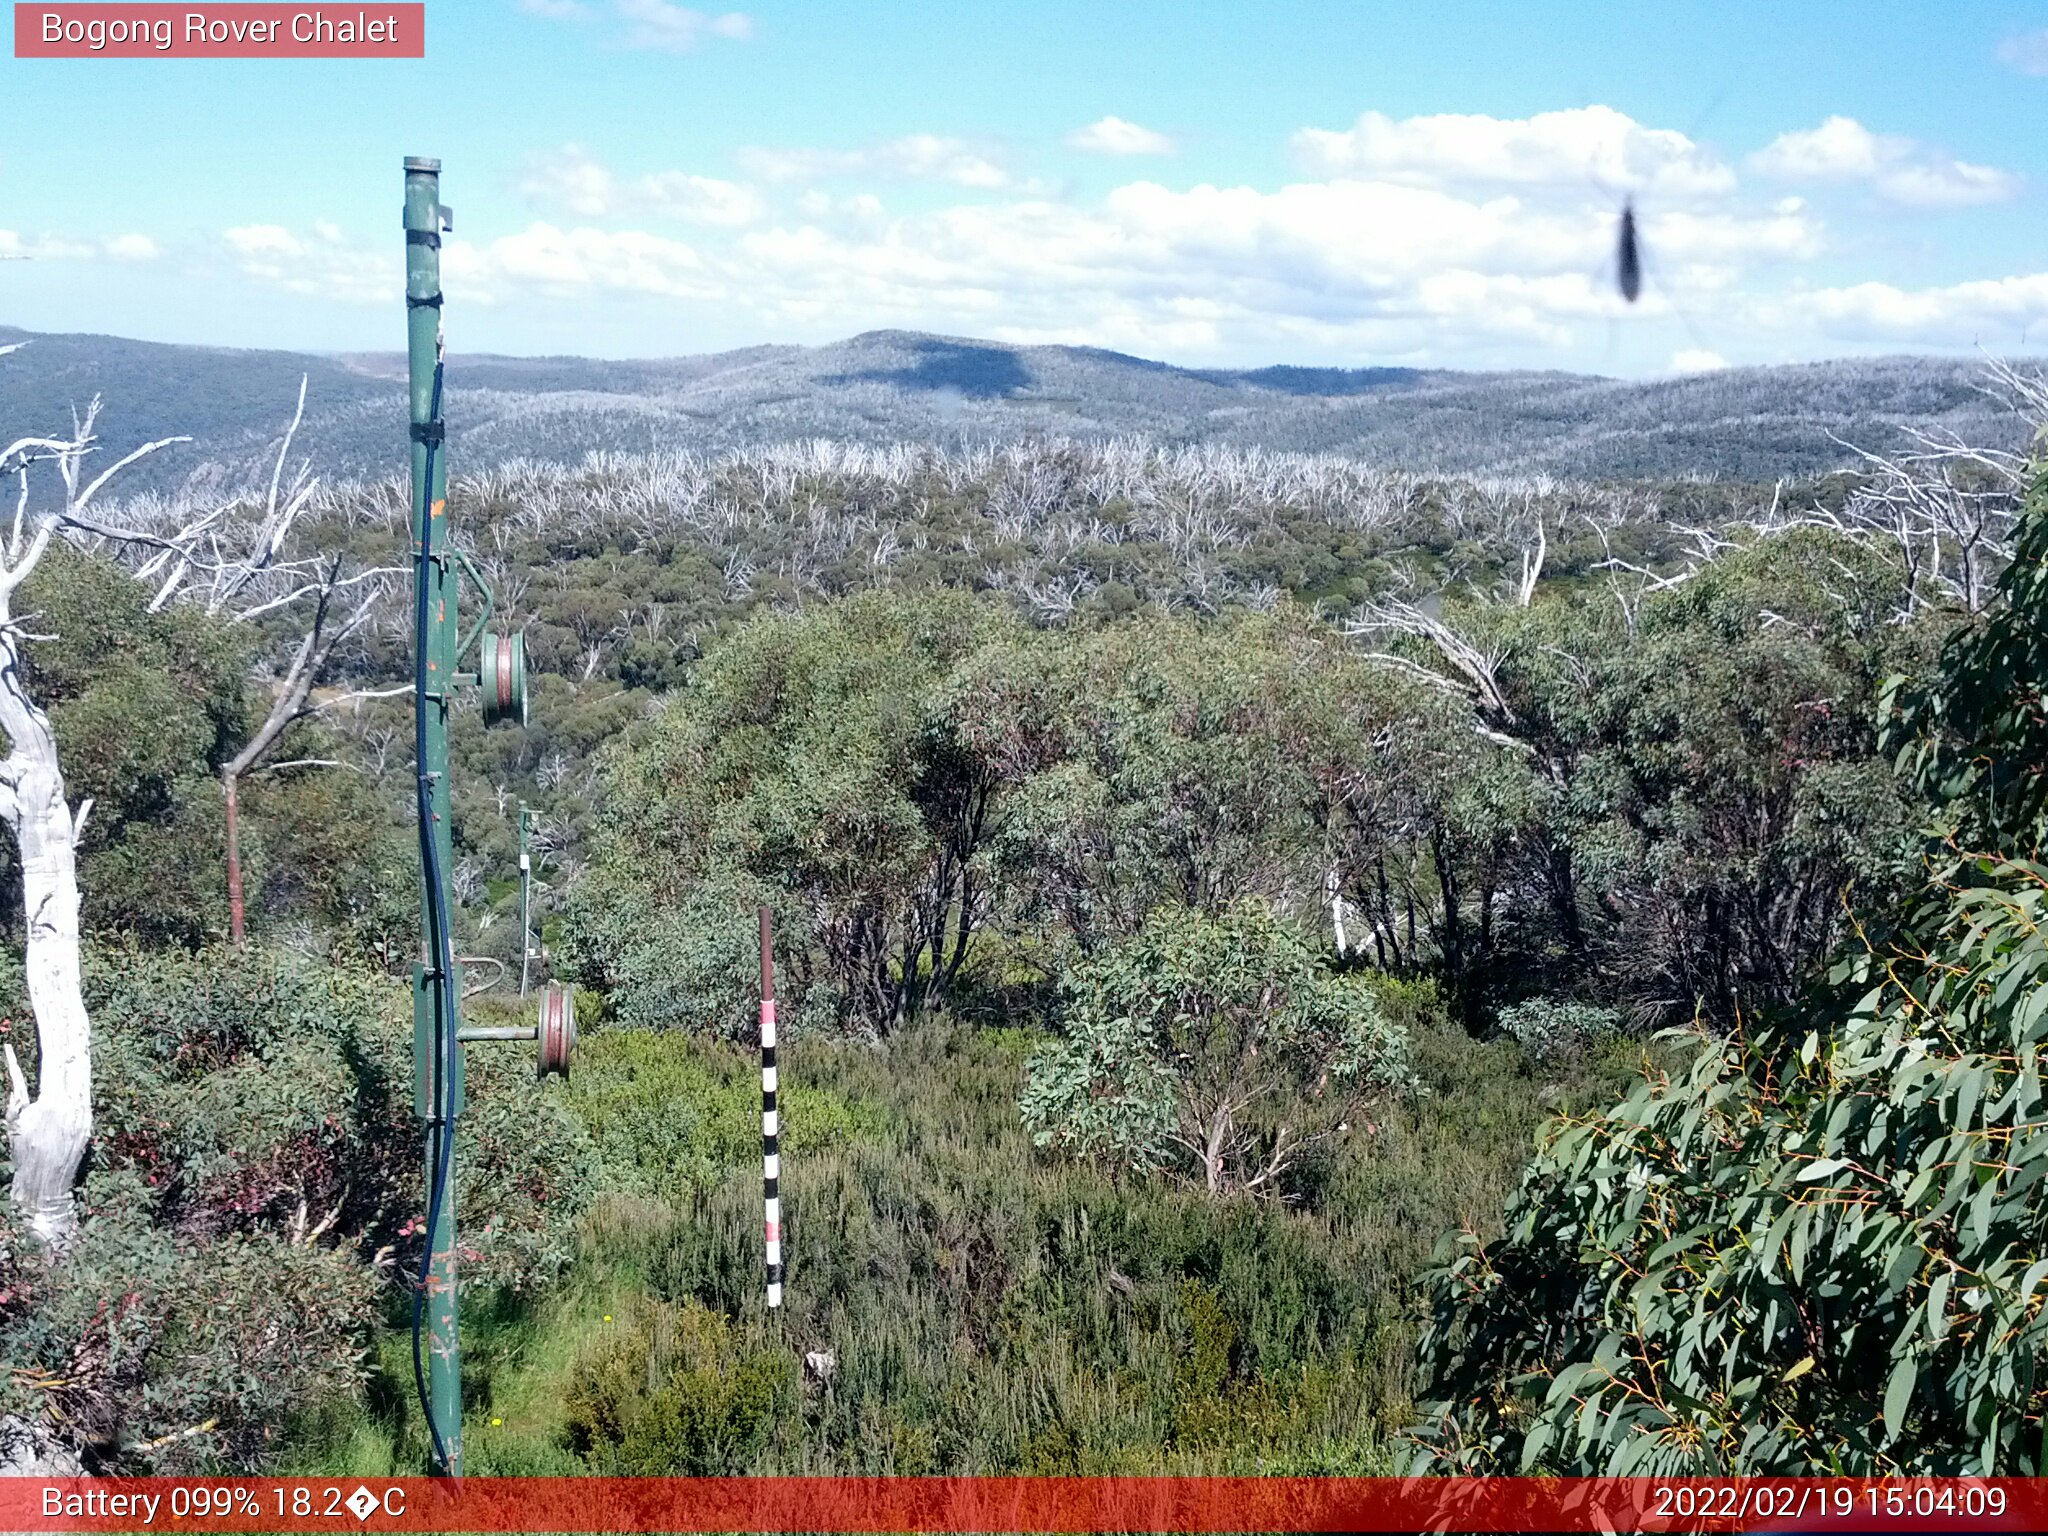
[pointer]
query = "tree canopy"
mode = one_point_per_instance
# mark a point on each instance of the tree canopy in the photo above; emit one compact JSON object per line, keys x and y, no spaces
{"x":1821,"y":1247}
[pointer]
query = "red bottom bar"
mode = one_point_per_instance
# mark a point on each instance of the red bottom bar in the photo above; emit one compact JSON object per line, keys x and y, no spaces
{"x":997,"y":1504}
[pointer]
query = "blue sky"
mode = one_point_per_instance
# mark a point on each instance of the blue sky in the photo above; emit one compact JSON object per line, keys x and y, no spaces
{"x":1302,"y":181}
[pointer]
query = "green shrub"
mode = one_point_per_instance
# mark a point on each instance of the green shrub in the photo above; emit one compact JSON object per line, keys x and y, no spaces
{"x":255,"y":1202}
{"x":676,"y":1391}
{"x":1216,"y":1048}
{"x":992,"y":1310}
{"x":1552,"y":1029}
{"x":1822,"y":1247}
{"x":152,"y":1351}
{"x":145,"y":706}
{"x":668,"y":1113}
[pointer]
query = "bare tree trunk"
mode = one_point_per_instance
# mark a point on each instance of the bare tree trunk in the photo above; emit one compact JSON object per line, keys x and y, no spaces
{"x":230,"y":781}
{"x":287,"y":708}
{"x":50,"y":1130}
{"x":47,"y":1133}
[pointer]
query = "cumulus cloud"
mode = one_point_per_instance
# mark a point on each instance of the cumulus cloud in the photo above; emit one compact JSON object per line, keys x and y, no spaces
{"x":1423,"y":258}
{"x":569,"y":177}
{"x":1697,"y":360}
{"x":1373,"y":268}
{"x":1568,"y":148}
{"x":917,"y":156}
{"x":670,"y":28}
{"x":1947,"y":315}
{"x":18,"y":247}
{"x":551,"y":259}
{"x":573,"y":179}
{"x":323,"y":265}
{"x":1115,"y":136}
{"x":1901,"y":169}
{"x":2026,"y":52}
{"x":131,"y":247}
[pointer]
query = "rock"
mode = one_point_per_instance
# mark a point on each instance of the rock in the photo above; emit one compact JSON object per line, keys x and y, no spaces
{"x":27,"y":1450}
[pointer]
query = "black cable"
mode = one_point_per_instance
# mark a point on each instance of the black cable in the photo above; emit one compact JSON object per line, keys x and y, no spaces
{"x":442,"y":1117}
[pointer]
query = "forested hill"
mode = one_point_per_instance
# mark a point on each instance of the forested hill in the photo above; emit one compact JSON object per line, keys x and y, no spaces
{"x":1748,"y":424}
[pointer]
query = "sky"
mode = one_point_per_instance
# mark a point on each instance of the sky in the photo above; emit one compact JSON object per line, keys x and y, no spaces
{"x":1213,"y":183}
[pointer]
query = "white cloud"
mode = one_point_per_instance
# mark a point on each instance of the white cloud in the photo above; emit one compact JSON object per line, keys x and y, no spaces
{"x":1902,"y":170}
{"x":572,"y":178}
{"x":552,"y":259}
{"x":918,"y":156}
{"x":1369,"y":268}
{"x":60,"y":248}
{"x":1841,"y":146}
{"x":1402,"y":265}
{"x":1115,"y":136}
{"x":2026,"y":52}
{"x":263,"y":240}
{"x":569,"y":177}
{"x":1343,"y":267}
{"x":699,"y":199}
{"x":670,"y":28}
{"x":325,"y":265}
{"x":1958,"y":313}
{"x":1697,"y":360}
{"x":1570,"y":148}
{"x":1948,"y":184}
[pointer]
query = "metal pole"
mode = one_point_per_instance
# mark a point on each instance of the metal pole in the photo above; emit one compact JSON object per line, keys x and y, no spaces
{"x":771,"y":1129}
{"x":526,"y":945}
{"x":436,"y":1017}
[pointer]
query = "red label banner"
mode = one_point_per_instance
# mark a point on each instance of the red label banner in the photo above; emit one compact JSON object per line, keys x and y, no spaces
{"x":238,"y":31}
{"x":1078,"y":1504}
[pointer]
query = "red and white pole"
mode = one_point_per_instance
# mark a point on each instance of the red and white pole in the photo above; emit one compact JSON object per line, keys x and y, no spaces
{"x":771,"y":1128}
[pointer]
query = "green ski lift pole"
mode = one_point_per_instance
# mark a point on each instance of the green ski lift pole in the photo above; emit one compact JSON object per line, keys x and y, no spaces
{"x":437,"y":1057}
{"x":439,"y":647}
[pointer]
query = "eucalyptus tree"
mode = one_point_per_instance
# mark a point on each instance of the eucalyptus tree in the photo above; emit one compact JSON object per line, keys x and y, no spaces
{"x":1821,"y":1247}
{"x":1218,"y":1049}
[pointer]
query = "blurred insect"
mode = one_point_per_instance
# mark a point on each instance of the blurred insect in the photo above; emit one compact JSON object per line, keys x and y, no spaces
{"x":1628,"y":256}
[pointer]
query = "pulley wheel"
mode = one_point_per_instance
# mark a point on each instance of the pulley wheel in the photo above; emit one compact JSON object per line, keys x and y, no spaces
{"x":501,"y":670}
{"x":557,"y":1038}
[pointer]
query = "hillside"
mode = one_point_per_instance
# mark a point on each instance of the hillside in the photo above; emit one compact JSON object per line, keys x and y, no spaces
{"x":1747,"y":424}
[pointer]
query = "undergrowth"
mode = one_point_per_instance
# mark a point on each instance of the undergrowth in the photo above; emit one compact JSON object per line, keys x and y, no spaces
{"x":967,"y":1304}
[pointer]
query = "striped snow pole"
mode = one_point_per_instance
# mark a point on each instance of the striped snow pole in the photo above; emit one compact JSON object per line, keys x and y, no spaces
{"x":771,"y":1128}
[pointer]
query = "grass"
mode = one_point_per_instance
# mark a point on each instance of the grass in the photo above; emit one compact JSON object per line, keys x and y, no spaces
{"x":987,"y":1308}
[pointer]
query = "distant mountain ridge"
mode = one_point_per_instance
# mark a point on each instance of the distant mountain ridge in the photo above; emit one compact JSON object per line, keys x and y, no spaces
{"x":889,"y":386}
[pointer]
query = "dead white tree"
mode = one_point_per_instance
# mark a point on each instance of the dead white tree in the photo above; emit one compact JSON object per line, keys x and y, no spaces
{"x":1948,"y":508}
{"x":49,"y":1128}
{"x":1471,"y":672}
{"x":262,"y":580}
{"x":234,"y":562}
{"x":291,"y":702}
{"x":242,"y":561}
